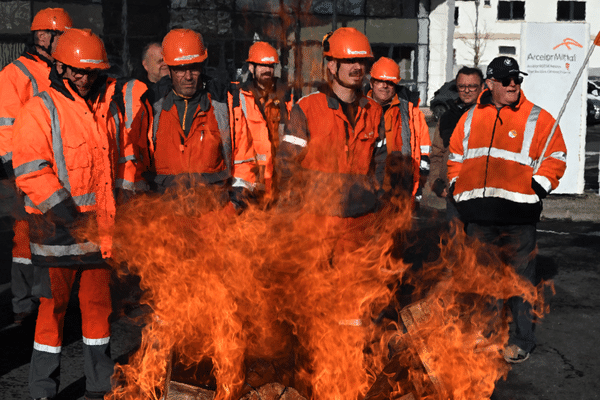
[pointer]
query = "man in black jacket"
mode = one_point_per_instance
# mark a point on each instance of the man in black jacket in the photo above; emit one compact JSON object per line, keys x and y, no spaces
{"x":469,"y":83}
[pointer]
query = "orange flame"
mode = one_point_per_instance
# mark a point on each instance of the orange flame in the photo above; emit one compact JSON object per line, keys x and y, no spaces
{"x":264,"y":286}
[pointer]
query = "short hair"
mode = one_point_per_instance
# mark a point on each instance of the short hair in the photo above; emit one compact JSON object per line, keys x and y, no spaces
{"x":471,"y":71}
{"x":147,"y":47}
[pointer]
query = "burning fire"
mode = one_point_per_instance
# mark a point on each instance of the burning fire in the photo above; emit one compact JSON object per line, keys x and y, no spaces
{"x":263,"y":298}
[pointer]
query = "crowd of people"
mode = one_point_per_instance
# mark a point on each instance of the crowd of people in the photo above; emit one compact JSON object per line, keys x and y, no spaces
{"x":76,"y":144}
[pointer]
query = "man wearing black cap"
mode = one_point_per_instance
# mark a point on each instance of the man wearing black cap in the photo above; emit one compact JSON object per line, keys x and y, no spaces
{"x":503,"y":161}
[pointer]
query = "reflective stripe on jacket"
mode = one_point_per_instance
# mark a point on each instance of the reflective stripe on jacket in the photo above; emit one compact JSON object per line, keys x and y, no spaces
{"x":19,"y":81}
{"x":407,"y":132}
{"x":201,"y":158}
{"x":249,"y":121}
{"x":342,"y":167}
{"x":65,"y":153}
{"x":132,"y":115}
{"x":493,"y":153}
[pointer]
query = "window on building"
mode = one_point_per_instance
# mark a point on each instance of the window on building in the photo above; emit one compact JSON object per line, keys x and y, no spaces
{"x":511,"y":50}
{"x":570,"y":11}
{"x":487,"y":3}
{"x":455,"y":15}
{"x":511,"y":10}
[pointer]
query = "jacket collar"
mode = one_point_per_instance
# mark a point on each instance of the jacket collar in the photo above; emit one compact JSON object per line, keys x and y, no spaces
{"x":333,"y":101}
{"x":31,"y":52}
{"x":201,"y":97}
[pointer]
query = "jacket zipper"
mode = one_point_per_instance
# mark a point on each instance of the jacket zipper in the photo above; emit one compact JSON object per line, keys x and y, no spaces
{"x":487,"y":161}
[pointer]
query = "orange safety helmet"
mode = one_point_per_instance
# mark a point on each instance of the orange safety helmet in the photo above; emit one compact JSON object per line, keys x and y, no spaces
{"x":346,"y":43}
{"x":51,"y":19}
{"x":386,"y":69}
{"x":183,"y":46}
{"x":81,"y":48}
{"x":262,"y":53}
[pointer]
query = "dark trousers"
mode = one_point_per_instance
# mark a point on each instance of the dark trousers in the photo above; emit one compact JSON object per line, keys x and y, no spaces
{"x":516,"y":246}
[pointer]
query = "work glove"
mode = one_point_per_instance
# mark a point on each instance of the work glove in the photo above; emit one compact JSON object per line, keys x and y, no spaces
{"x":538,"y":189}
{"x":438,"y":187}
{"x":64,"y":213}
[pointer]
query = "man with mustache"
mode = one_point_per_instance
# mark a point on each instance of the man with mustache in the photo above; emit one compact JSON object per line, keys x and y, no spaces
{"x":407,"y":133}
{"x":334,"y":144}
{"x":259,"y":110}
{"x":503,"y":161}
{"x":191,"y":142}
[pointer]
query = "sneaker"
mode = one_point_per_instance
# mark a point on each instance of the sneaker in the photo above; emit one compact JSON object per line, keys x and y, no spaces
{"x":514,"y":354}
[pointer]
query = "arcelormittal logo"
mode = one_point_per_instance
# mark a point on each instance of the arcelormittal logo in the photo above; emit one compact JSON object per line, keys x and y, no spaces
{"x":567,"y":42}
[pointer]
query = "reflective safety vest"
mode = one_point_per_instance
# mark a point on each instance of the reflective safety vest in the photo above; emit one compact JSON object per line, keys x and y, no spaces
{"x":19,"y":81}
{"x":203,"y":157}
{"x":132,"y":115}
{"x":493,"y":154}
{"x":65,"y":158}
{"x":264,"y":129}
{"x":407,"y":132}
{"x":343,"y":167}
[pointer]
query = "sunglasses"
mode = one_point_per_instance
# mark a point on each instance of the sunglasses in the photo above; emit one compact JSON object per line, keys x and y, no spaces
{"x":506,"y":81}
{"x":79,"y":73}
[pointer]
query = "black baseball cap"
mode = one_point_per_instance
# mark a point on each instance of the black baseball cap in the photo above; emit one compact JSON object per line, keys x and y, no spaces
{"x":502,"y":67}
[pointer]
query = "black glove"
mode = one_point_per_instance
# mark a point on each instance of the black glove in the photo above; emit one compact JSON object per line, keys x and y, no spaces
{"x":64,"y":213}
{"x":8,"y":169}
{"x":538,"y":189}
{"x":438,"y":187}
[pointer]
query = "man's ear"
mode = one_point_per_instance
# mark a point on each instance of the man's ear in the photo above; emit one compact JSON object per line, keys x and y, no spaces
{"x":145,"y":64}
{"x":60,"y":68}
{"x":332,"y":67}
{"x":251,"y":68}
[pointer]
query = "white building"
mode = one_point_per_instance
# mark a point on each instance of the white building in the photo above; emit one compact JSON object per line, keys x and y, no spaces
{"x":496,"y":26}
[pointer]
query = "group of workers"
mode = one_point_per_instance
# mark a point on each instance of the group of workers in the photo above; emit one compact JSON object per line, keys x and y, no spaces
{"x":79,"y":143}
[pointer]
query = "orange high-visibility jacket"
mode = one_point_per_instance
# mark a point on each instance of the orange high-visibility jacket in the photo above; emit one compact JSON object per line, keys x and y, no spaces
{"x":65,"y":160}
{"x":132,"y":114}
{"x":493,"y":153}
{"x":342,"y":167}
{"x":263,"y":129}
{"x":406,"y":131}
{"x":19,"y":81}
{"x":204,"y":156}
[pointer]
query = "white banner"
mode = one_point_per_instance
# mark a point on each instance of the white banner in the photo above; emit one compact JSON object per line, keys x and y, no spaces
{"x":552,"y":54}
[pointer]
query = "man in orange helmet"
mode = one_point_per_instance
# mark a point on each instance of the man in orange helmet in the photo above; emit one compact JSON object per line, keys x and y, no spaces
{"x":65,"y":159}
{"x":406,"y":130}
{"x":19,"y":81}
{"x":191,"y":140}
{"x":259,"y":110}
{"x":335,"y":140}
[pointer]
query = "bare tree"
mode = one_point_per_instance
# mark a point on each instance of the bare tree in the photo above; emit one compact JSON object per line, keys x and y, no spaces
{"x":476,"y":42}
